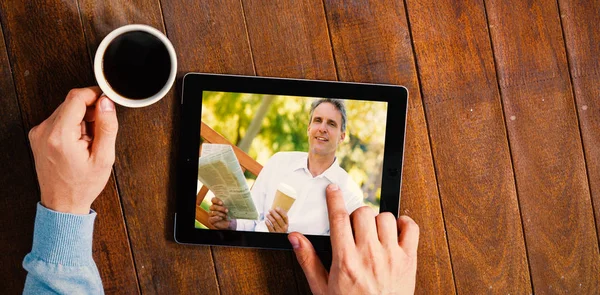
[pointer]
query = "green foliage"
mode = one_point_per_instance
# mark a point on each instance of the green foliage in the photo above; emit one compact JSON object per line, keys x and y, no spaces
{"x":199,"y":225}
{"x":284,"y":128}
{"x":206,"y":206}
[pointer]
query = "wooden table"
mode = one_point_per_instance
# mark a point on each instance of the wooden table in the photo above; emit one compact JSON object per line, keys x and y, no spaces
{"x":502,"y":161}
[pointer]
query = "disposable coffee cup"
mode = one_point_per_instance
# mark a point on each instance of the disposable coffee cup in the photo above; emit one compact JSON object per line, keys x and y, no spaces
{"x":285,"y":196}
{"x":135,"y":65}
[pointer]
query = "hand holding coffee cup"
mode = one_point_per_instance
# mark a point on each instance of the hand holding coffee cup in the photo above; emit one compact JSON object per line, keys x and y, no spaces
{"x":135,"y":65}
{"x":277,"y":219}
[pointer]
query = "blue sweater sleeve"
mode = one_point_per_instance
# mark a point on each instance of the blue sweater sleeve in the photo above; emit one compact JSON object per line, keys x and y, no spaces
{"x":61,"y":260}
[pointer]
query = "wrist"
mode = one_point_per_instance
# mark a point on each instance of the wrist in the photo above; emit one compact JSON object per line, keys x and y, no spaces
{"x":232,"y":224}
{"x":65,"y":208}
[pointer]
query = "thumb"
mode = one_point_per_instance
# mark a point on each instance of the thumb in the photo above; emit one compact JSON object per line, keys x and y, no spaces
{"x":105,"y":132}
{"x":315,"y":272}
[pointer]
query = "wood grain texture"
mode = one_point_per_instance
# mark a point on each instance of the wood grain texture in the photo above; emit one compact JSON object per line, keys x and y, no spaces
{"x":18,"y":186}
{"x":145,"y":169}
{"x":371,"y":43}
{"x":194,"y":28}
{"x":580,"y":21}
{"x":209,"y":36}
{"x":549,"y":165}
{"x":553,"y":136}
{"x":290,"y":39}
{"x":470,"y":148}
{"x":49,"y":57}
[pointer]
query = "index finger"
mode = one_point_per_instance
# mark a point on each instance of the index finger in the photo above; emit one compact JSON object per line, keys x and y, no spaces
{"x":75,"y":105}
{"x":339,"y":220}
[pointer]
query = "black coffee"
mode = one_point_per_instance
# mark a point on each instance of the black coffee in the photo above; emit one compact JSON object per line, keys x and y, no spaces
{"x":136,"y":65}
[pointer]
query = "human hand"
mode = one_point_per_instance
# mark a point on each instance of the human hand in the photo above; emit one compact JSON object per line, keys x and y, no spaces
{"x":74,"y":150}
{"x":380,"y":258}
{"x":217,"y":216}
{"x":277,"y":220}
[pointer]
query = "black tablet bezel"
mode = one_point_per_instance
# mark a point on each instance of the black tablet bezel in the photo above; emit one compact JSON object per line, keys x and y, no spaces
{"x":189,"y":142}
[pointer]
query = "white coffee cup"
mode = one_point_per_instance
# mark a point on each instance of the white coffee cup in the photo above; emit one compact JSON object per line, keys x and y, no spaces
{"x":110,"y":91}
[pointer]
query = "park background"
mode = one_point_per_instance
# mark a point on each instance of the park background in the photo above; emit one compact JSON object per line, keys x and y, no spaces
{"x":262,"y":125}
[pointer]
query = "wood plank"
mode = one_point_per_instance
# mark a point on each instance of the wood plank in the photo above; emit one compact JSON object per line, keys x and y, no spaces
{"x":580,"y":21}
{"x":18,"y":185}
{"x":371,"y":43}
{"x":293,"y":42}
{"x":49,"y":57}
{"x":546,"y":146}
{"x":202,"y":217}
{"x":201,"y":195}
{"x":469,"y":145}
{"x":193,"y":28}
{"x":145,"y":169}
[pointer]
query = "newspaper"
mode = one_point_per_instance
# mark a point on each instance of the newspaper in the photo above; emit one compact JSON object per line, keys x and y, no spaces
{"x":220,"y":171}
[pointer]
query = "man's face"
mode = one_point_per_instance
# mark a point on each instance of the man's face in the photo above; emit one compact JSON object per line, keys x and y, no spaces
{"x":325,"y":130}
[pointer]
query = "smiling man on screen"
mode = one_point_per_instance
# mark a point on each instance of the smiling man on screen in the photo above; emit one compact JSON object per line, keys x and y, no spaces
{"x":307,"y":173}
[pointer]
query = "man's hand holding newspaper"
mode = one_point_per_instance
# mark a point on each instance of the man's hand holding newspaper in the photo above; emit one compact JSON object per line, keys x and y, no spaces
{"x":220,"y":171}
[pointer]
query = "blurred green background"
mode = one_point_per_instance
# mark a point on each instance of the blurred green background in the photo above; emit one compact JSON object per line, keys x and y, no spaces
{"x":262,"y":125}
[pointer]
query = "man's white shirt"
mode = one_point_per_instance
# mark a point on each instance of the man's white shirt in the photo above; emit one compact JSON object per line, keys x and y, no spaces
{"x":308,"y":214}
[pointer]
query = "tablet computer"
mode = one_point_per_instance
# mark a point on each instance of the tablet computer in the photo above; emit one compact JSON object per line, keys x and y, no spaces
{"x":261,"y":151}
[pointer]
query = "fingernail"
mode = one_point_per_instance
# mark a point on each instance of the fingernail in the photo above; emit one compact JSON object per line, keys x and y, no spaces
{"x":226,"y":210}
{"x":106,"y":105}
{"x":333,"y":187}
{"x":294,"y":241}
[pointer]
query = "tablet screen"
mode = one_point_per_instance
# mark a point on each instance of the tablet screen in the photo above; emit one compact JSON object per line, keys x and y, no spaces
{"x":266,"y":160}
